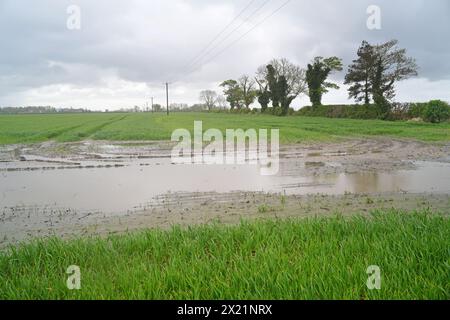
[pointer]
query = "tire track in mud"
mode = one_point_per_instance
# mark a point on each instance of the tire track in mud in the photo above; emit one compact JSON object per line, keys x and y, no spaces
{"x":98,"y":128}
{"x":88,"y":133}
{"x":55,"y":134}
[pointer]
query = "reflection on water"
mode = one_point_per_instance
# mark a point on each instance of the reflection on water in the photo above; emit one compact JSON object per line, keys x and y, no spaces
{"x":371,"y":182}
{"x":429,"y":177}
{"x":126,"y":188}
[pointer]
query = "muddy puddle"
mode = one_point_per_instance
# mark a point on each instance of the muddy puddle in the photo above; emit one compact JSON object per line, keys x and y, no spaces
{"x":98,"y":188}
{"x":117,"y":183}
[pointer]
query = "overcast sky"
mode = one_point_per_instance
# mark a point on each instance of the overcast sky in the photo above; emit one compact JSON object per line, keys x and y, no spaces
{"x":125,"y":50}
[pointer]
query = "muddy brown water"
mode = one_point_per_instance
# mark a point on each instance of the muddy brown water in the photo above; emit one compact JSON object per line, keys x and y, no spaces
{"x":104,"y":187}
{"x":127,"y":185}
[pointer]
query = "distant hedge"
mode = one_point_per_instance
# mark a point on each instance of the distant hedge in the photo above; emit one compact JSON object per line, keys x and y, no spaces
{"x":340,"y":111}
{"x":434,"y":111}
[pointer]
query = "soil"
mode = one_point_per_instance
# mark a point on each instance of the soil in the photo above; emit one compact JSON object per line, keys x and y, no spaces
{"x":380,"y":155}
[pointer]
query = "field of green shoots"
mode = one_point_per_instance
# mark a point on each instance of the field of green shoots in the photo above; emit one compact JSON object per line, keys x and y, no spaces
{"x":317,"y":258}
{"x":148,"y":126}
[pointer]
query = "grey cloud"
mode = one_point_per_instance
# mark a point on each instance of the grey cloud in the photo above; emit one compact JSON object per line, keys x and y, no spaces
{"x":152,"y":41}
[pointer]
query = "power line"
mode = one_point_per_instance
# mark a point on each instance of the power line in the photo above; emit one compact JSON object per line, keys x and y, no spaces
{"x":201,"y":53}
{"x":242,"y":36}
{"x":231,"y":33}
{"x":220,"y":33}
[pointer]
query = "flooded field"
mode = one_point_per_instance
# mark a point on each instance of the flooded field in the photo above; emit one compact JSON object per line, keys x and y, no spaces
{"x":71,"y":183}
{"x":136,"y":183}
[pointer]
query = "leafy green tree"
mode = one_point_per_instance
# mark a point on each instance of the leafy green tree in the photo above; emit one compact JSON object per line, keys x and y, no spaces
{"x":376,"y":70}
{"x":233,"y":93}
{"x":264,"y":99}
{"x":436,"y":111}
{"x":263,"y":94}
{"x":316,"y":75}
{"x":359,"y":74}
{"x":272,"y":81}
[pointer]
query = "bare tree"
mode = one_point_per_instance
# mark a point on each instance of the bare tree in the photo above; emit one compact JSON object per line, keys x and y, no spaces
{"x":391,"y":65}
{"x":221,"y":102}
{"x":209,"y":98}
{"x":247,"y":85}
{"x":294,"y":74}
{"x":284,"y":80}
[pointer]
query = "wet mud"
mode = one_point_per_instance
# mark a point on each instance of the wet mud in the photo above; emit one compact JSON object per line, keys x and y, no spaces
{"x":102,"y":187}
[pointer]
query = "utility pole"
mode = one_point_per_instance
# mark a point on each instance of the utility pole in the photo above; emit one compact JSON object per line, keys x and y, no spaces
{"x":167,"y":97}
{"x":152,"y":104}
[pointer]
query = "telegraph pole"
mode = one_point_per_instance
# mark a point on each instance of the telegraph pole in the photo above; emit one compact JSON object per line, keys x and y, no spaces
{"x":167,"y":97}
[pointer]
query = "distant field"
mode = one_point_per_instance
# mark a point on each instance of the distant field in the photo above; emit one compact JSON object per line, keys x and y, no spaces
{"x":147,"y":126}
{"x":317,"y":258}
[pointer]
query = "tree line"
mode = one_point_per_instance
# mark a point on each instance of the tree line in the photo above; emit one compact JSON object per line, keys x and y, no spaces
{"x":40,"y":109}
{"x":371,"y":78}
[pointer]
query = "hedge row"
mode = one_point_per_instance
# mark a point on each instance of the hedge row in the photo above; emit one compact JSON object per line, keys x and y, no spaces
{"x":434,"y":111}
